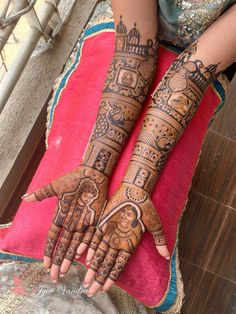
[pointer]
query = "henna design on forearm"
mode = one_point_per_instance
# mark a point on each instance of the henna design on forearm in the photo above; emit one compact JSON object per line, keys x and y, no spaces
{"x":127,"y":84}
{"x":130,"y":212}
{"x":174,"y":103}
{"x":82,"y":193}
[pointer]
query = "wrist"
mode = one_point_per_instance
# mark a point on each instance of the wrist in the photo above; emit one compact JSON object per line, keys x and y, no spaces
{"x":140,"y":178}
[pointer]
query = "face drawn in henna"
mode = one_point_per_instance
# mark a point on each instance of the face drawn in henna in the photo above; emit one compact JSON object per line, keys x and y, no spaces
{"x":120,"y":230}
{"x":175,"y":101}
{"x":125,"y":226}
{"x":81,"y":214}
{"x":77,"y":211}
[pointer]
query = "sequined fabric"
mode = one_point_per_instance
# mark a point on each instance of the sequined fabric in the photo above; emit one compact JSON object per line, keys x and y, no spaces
{"x":181,"y":22}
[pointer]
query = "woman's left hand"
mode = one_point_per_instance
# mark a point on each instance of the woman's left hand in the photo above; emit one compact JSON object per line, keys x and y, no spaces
{"x":127,"y":215}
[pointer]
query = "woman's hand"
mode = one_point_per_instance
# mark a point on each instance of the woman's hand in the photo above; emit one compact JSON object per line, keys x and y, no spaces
{"x":127,"y":215}
{"x":81,"y":197}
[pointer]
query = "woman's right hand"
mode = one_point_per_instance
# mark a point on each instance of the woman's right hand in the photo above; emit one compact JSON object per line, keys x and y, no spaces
{"x":81,"y":197}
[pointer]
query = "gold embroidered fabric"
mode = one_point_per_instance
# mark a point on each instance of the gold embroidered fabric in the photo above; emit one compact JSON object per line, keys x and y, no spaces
{"x":183,"y":21}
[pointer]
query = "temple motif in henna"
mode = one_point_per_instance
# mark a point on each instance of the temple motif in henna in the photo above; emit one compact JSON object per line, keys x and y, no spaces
{"x":130,"y":210}
{"x":128,"y":81}
{"x":82,"y":193}
{"x":175,"y":101}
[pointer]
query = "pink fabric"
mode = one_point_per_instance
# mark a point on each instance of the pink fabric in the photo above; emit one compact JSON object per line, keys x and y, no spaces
{"x":147,"y":274}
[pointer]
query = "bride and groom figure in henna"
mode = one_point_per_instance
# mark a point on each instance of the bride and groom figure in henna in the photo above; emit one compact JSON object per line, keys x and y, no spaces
{"x":113,"y":230}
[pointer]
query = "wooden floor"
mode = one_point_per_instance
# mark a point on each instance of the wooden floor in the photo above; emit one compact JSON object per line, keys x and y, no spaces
{"x":208,"y":229}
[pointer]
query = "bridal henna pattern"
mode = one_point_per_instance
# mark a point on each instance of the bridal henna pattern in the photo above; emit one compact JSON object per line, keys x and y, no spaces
{"x":131,"y":211}
{"x":77,"y":212}
{"x":81,"y":194}
{"x":174,"y":103}
{"x":127,"y":84}
{"x":119,"y":232}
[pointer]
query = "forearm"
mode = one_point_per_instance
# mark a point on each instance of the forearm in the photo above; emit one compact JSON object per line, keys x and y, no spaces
{"x":174,"y":103}
{"x":127,"y":84}
{"x":119,"y":109}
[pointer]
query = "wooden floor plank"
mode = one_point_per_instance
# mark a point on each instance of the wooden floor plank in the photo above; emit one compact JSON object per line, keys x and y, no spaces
{"x":215,"y":296}
{"x":223,"y":258}
{"x":192,"y":276}
{"x":199,"y":229}
{"x":224,"y":121}
{"x":216,"y":171}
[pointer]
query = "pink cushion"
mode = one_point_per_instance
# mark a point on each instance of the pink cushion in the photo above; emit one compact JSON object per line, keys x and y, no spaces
{"x":148,"y":277}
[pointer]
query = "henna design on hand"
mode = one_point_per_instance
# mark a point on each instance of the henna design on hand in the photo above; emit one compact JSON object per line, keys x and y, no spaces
{"x":53,"y":235}
{"x":81,"y":197}
{"x":131,"y":211}
{"x":45,"y":192}
{"x":81,"y":193}
{"x":119,"y":233}
{"x":75,"y":242}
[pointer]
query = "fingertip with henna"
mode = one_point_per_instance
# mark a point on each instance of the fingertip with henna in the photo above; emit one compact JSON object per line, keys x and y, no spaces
{"x":29,"y":197}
